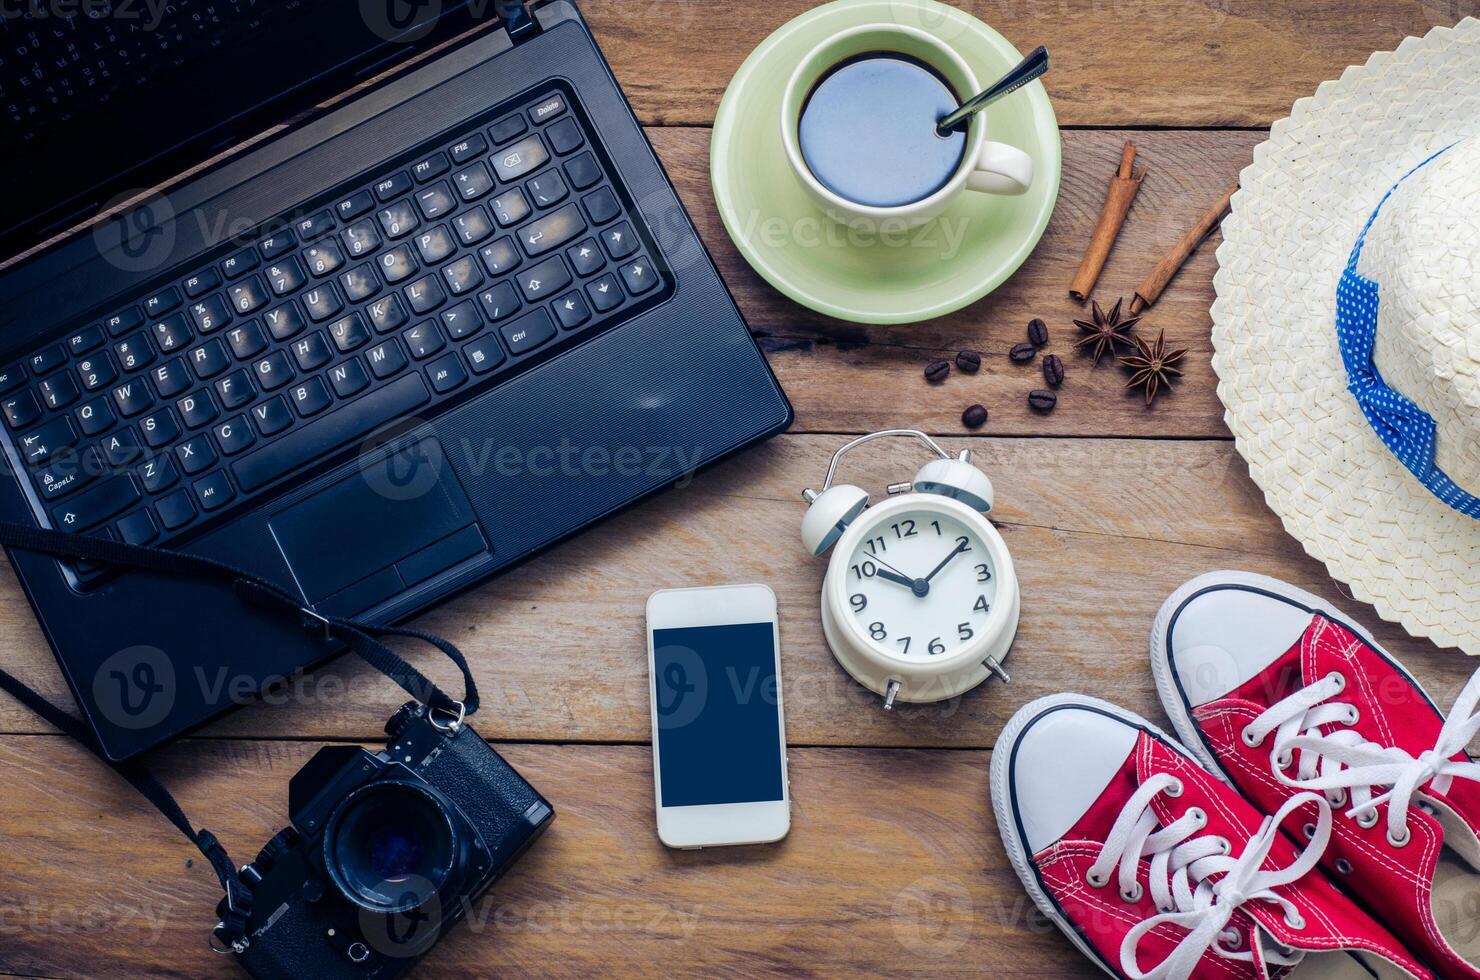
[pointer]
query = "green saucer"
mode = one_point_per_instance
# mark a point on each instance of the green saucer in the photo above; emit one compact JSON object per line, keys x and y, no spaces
{"x":901,"y":276}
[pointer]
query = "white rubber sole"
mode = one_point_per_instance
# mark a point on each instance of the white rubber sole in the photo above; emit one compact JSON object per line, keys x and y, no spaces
{"x":1161,"y":668}
{"x":1002,"y":801}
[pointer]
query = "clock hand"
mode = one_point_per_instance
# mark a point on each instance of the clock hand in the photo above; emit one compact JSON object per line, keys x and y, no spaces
{"x":891,"y":576}
{"x":947,"y":559}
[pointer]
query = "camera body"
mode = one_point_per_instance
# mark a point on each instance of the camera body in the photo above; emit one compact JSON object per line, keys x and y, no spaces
{"x":386,"y":852}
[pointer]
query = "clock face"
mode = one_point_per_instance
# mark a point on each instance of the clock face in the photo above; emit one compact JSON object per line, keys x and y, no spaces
{"x":920,"y":584}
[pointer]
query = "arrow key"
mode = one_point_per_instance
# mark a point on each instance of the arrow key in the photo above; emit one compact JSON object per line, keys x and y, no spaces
{"x":585,"y":256}
{"x":639,"y":276}
{"x":571,"y":310}
{"x":619,"y":240}
{"x":605,"y":293}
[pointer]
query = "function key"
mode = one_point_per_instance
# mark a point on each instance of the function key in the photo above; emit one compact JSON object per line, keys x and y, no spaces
{"x":314,"y":225}
{"x":433,"y":166}
{"x":201,"y":283}
{"x":239,"y":264}
{"x":521,"y":158}
{"x":124,"y":321}
{"x":473,"y":146}
{"x":565,"y":136}
{"x":83,"y":341}
{"x":47,"y":359}
{"x":162,"y":302}
{"x":392,"y":186}
{"x":506,"y":129}
{"x":12,"y":376}
{"x":274,"y":245}
{"x":355,"y":205}
{"x":547,"y":108}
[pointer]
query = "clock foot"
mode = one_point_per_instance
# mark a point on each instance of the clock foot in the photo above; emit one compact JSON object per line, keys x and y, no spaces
{"x":991,"y":664}
{"x":889,"y":693}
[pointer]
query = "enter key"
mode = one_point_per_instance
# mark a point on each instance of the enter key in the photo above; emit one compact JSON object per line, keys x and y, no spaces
{"x":553,"y":230}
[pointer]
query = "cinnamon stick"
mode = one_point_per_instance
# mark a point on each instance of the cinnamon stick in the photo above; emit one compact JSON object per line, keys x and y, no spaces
{"x":1157,"y":279}
{"x":1123,"y":188}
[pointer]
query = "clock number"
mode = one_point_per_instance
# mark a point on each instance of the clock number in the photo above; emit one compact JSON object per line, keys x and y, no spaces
{"x":983,"y":573}
{"x":936,"y":647}
{"x":904,"y":642}
{"x":936,"y":525}
{"x":859,"y":601}
{"x":965,"y":631}
{"x":867,"y":570}
{"x":909,"y":528}
{"x":963,"y":542}
{"x":876,"y":630}
{"x":982,"y":605}
{"x":881,"y":546}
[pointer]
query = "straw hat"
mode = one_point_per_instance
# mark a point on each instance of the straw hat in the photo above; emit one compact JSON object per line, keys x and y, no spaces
{"x":1347,"y":329}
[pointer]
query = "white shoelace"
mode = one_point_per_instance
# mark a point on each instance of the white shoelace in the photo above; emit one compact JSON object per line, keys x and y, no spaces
{"x":1181,"y":866}
{"x":1342,"y":760}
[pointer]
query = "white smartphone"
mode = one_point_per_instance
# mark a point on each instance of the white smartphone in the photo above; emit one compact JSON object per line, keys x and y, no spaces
{"x":719,"y":743}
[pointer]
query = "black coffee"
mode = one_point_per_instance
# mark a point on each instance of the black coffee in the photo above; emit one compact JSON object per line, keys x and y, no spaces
{"x":867,"y":131}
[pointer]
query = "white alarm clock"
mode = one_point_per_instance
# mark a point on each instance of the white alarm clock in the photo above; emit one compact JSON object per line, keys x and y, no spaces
{"x":920,"y":602}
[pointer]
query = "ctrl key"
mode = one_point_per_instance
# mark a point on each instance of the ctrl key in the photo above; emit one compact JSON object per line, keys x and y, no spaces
{"x":528,"y":332}
{"x":94,"y":506}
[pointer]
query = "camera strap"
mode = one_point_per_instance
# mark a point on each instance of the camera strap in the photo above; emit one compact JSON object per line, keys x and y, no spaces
{"x":358,"y":635}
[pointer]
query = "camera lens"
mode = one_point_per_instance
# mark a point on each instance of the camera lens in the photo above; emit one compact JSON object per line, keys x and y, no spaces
{"x":390,"y":847}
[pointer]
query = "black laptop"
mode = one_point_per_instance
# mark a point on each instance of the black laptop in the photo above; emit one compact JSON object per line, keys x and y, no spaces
{"x":393,"y":347}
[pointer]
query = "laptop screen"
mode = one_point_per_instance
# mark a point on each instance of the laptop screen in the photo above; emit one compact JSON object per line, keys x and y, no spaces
{"x":103,"y":98}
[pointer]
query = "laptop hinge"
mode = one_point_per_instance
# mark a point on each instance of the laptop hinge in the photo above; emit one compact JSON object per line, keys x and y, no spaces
{"x":517,"y":21}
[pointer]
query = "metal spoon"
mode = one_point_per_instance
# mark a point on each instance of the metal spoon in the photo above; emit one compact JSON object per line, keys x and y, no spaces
{"x":1031,"y":67}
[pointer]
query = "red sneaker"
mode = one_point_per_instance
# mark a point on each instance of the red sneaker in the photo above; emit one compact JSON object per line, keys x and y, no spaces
{"x":1271,"y":688}
{"x":1156,"y":869}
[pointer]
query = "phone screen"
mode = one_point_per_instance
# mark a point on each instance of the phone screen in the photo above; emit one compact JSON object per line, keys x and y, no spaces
{"x":719,"y":725}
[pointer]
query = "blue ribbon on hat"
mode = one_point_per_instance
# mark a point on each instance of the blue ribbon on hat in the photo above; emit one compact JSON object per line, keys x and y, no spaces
{"x":1408,"y":431}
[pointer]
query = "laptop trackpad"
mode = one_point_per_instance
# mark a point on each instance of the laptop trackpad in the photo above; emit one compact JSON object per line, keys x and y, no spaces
{"x":390,"y":524}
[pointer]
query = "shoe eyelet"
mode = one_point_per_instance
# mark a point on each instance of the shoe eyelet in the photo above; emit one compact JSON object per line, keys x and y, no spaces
{"x":1337,"y":798}
{"x":1343,"y":866}
{"x":1367,"y":819}
{"x":1402,"y":839}
{"x":1133,"y":894}
{"x":1309,"y":830}
{"x":1336,"y":676}
{"x":1296,"y":921}
{"x":1285,"y":760}
{"x":1174,"y":789}
{"x":1353,"y":716}
{"x":1225,"y":845}
{"x":1096,"y":881}
{"x":1248,"y":738}
{"x":1198,"y":815}
{"x":1231,"y":941}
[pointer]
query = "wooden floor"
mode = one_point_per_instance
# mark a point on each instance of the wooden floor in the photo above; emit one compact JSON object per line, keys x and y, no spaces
{"x":893,"y":863}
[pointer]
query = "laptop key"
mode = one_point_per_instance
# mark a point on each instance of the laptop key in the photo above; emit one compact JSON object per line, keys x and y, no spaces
{"x":272,"y":371}
{"x":586,"y":257}
{"x":214,"y":491}
{"x":162,"y":302}
{"x":565,"y":136}
{"x":209,"y":359}
{"x":58,"y":391}
{"x":583,"y":171}
{"x":132,"y":397}
{"x":95,"y":372}
{"x":309,"y":398}
{"x":157,"y":473}
{"x":21,"y":410}
{"x":137,"y":528}
{"x":473,"y":146}
{"x":312,"y":351}
{"x":285,"y":322}
{"x":386,"y":359}
{"x":507,"y":128}
{"x":175,"y":511}
{"x":423,"y":340}
{"x":285,"y":276}
{"x":473,"y":182}
{"x":197,"y":409}
{"x":247,"y":295}
{"x":435,"y":245}
{"x":602,"y":205}
{"x":546,"y":109}
{"x":425,"y":295}
{"x":461,"y":320}
{"x":500,"y":256}
{"x":359,"y":283}
{"x":361,"y":238}
{"x":41,"y":444}
{"x":473,"y":226}
{"x":318,"y":438}
{"x":93,"y":506}
{"x":525,"y":156}
{"x":47,"y":359}
{"x":501,"y":301}
{"x":12,"y":377}
{"x":552,"y":231}
{"x":83,"y":341}
{"x":272,"y":416}
{"x":314,"y":225}
{"x":195,"y":456}
{"x":571,"y":310}
{"x":545,"y":279}
{"x":484,"y":354}
{"x":348,"y":377}
{"x":392,"y":186}
{"x":246,"y":340}
{"x":238,"y":265}
{"x":462,"y":276}
{"x":397,"y":264}
{"x":323,"y":302}
{"x":234,"y":435}
{"x":349,"y":333}
{"x":210,"y":314}
{"x":386,"y":314}
{"x":68,"y":472}
{"x":235,"y":390}
{"x":510,"y":207}
{"x":399,"y":219}
{"x":619,"y":240}
{"x":201,"y":283}
{"x":171,"y":333}
{"x":446,"y":373}
{"x":122,"y":447}
{"x":274,"y":245}
{"x":435,"y":200}
{"x":323,"y":258}
{"x":639,"y":276}
{"x":605,"y":293}
{"x":354,"y":205}
{"x":159,"y":428}
{"x":96,"y":416}
{"x":528,"y":331}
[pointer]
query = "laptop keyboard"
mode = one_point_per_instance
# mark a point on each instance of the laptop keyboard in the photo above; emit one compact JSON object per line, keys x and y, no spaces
{"x":395,"y":295}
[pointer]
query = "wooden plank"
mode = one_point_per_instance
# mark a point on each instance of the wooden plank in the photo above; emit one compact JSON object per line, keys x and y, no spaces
{"x":893,"y":865}
{"x":838,"y":374}
{"x":1101,"y":532}
{"x":1117,"y":63}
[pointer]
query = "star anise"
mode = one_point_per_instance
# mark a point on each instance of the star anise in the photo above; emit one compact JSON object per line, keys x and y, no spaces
{"x":1152,"y":364}
{"x":1105,"y":332}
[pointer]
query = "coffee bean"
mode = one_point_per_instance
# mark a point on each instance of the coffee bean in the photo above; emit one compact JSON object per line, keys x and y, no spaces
{"x":1037,"y":332}
{"x":936,"y":371}
{"x":1022,"y":353}
{"x":969,"y":360}
{"x":1053,"y":370}
{"x":1042,"y":400}
{"x":974,"y":417}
